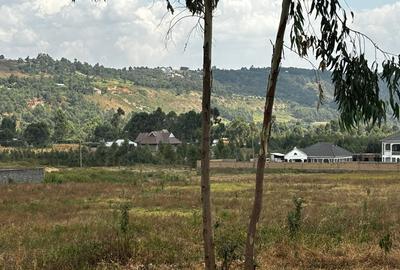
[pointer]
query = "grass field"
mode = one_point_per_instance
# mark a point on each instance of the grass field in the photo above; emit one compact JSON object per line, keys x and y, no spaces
{"x":149,"y":218}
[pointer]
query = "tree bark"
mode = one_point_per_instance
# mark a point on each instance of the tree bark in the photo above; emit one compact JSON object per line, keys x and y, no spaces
{"x":265,"y":135}
{"x":209,"y":255}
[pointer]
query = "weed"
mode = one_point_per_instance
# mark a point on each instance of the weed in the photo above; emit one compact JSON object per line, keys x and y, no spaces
{"x":52,"y":178}
{"x":385,"y":243}
{"x":124,"y":218}
{"x":229,"y":244}
{"x":294,"y":217}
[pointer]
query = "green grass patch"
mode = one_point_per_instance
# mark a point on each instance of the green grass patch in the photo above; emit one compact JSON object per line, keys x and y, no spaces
{"x":95,"y":175}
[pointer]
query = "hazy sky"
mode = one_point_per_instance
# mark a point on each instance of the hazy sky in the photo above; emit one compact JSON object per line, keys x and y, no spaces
{"x":132,"y":32}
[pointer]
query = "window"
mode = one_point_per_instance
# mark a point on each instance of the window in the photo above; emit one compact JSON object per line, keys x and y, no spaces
{"x":387,"y":147}
{"x":396,"y":147}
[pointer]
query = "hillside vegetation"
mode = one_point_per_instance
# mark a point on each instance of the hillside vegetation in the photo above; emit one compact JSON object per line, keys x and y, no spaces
{"x":32,"y":89}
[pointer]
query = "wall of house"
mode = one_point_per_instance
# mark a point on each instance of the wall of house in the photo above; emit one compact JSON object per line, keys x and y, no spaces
{"x":295,"y":155}
{"x":35,"y":175}
{"x":391,"y":152}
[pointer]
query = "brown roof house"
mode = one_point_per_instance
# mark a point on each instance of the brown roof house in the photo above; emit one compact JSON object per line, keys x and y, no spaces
{"x":155,"y":138}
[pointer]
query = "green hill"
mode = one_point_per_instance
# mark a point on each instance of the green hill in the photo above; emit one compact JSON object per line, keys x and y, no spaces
{"x":32,"y":89}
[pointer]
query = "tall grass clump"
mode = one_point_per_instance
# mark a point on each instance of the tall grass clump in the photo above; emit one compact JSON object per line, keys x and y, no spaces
{"x":294,"y":218}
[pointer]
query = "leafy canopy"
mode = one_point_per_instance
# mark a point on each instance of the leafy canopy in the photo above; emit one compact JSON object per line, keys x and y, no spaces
{"x":338,"y":48}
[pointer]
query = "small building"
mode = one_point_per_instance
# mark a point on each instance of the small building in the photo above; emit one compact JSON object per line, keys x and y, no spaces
{"x":120,"y":142}
{"x":391,"y":148}
{"x":155,"y":138}
{"x":296,"y":155}
{"x":277,"y":157}
{"x":321,"y":152}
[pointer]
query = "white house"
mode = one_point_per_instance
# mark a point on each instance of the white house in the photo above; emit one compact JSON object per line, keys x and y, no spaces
{"x":391,"y":148}
{"x":322,"y":152}
{"x":296,"y":155}
{"x":120,"y":142}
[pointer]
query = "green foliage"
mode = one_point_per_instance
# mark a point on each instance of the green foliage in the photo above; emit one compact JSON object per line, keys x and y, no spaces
{"x":7,"y":129}
{"x":294,"y":217}
{"x":385,"y":243}
{"x":49,"y":85}
{"x":105,"y":132}
{"x":167,"y":153}
{"x":52,"y":179}
{"x":124,"y":218}
{"x":31,"y":99}
{"x":357,"y":89}
{"x":116,"y":119}
{"x":229,"y":241}
{"x":37,"y":134}
{"x":61,"y":127}
{"x":60,"y":93}
{"x":185,"y":126}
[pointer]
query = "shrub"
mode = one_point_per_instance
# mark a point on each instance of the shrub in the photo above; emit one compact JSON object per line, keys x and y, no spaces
{"x":124,"y":218}
{"x":386,"y":243}
{"x":294,"y":217}
{"x":229,"y":243}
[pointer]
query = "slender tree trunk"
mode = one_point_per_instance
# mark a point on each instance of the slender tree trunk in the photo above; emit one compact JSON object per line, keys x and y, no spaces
{"x":209,"y":256}
{"x":265,"y":134}
{"x":80,"y":154}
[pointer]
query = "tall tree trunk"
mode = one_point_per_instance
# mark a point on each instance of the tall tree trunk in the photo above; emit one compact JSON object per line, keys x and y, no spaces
{"x":265,"y":135}
{"x":209,"y":256}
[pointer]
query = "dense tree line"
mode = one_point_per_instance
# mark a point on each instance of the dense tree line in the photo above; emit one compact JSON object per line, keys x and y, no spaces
{"x":237,"y":139}
{"x":125,"y":155}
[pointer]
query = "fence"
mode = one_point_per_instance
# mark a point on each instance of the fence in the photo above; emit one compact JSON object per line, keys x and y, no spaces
{"x":344,"y":166}
{"x":35,"y":175}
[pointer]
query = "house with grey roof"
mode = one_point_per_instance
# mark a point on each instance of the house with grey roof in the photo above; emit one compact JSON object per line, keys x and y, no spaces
{"x":155,"y":138}
{"x":391,"y":148}
{"x":322,"y":152}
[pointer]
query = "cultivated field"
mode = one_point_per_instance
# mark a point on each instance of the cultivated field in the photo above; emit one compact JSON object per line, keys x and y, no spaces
{"x":149,"y":218}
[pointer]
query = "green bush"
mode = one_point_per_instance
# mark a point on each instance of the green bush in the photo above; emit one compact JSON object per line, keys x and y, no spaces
{"x":294,"y":217}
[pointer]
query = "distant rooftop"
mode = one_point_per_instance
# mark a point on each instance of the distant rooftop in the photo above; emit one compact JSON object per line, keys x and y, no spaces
{"x":157,"y":137}
{"x":325,"y":149}
{"x":394,"y":137}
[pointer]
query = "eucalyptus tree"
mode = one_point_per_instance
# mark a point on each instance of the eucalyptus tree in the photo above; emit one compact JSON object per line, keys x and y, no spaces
{"x":339,"y":49}
{"x":204,"y":10}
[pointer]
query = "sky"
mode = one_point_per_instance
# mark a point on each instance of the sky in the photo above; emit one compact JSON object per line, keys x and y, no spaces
{"x":122,"y":33}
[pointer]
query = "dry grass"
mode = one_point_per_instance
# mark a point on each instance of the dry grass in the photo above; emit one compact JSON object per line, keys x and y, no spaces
{"x":74,"y":223}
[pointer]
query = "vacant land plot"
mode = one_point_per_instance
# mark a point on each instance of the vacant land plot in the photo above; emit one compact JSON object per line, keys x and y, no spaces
{"x":149,"y":218}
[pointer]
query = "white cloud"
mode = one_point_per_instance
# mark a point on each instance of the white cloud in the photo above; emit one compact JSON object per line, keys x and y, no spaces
{"x":382,"y":25}
{"x":132,"y":32}
{"x":49,"y":7}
